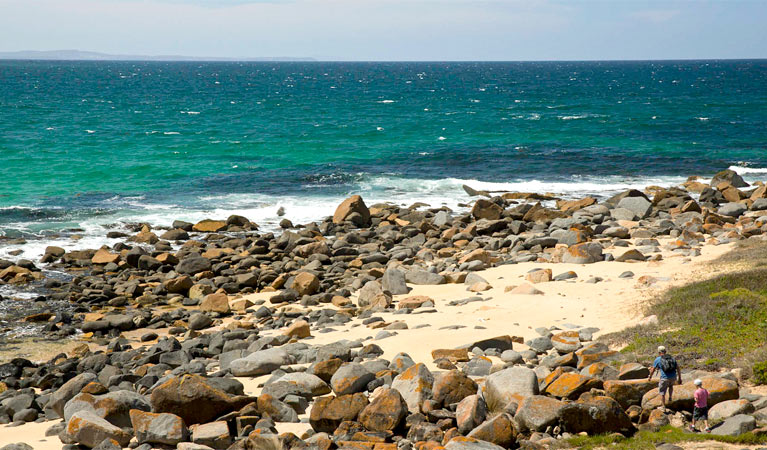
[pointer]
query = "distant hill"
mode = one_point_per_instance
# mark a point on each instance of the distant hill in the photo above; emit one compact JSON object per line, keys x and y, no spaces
{"x":79,"y":55}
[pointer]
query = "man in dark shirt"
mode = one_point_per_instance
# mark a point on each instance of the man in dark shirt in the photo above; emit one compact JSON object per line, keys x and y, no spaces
{"x":668,"y":377}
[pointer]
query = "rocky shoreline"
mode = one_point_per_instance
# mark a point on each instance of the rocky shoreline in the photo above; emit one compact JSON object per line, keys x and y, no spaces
{"x":171,"y":328}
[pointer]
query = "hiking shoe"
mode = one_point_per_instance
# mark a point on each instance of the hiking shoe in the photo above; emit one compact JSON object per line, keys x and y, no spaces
{"x":708,"y":430}
{"x":692,"y":429}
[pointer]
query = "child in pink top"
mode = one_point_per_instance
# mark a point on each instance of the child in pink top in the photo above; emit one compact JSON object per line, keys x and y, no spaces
{"x":700,"y":412}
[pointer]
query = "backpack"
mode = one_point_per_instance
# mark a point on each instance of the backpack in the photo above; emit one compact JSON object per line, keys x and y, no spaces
{"x":667,"y":364}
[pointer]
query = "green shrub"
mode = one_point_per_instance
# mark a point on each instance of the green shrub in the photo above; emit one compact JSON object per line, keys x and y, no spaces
{"x":760,"y":372}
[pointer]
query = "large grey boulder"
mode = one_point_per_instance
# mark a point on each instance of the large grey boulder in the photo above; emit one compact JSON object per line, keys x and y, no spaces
{"x":729,"y":408}
{"x":638,"y":205}
{"x":732,"y":209}
{"x":259,"y":363}
{"x":735,"y":426}
{"x":729,"y":176}
{"x":69,"y":390}
{"x":351,"y":378}
{"x":368,"y":293}
{"x":509,"y":385}
{"x":419,"y":276}
{"x":394,"y":281}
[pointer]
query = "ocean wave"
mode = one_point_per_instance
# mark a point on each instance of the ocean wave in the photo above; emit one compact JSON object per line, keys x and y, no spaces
{"x":740,"y":170}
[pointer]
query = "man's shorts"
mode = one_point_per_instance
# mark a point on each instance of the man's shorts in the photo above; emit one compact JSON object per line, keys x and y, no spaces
{"x":666,"y":384}
{"x":700,"y":413}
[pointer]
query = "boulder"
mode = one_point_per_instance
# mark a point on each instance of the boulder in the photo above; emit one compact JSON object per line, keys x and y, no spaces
{"x":351,"y":205}
{"x":598,"y":415}
{"x":385,"y":412}
{"x":467,"y":443}
{"x":572,"y":385}
{"x":415,"y":385}
{"x":88,"y":429}
{"x":584,"y":253}
{"x":307,"y":381}
{"x":278,"y":410}
{"x":213,"y":434}
{"x":298,"y":329}
{"x":733,"y":209}
{"x":261,"y":362}
{"x":150,"y":428}
{"x":306,"y":283}
{"x":193,"y":264}
{"x":423,"y":277}
{"x":209,"y":226}
{"x":329,"y":412}
{"x":509,"y":385}
{"x":498,"y":430}
{"x":629,"y":392}
{"x":68,"y":390}
{"x":194,"y":400}
{"x":735,"y":426}
{"x":485,"y":209}
{"x":729,"y":176}
{"x":218,"y":302}
{"x":114,"y":406}
{"x":640,"y":206}
{"x":729,"y":408}
{"x":350,"y":378}
{"x":538,"y":412}
{"x":470,"y":413}
{"x":393,"y":281}
{"x":452,"y":387}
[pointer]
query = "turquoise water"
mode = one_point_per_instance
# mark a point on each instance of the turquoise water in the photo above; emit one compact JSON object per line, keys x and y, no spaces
{"x":93,"y":144}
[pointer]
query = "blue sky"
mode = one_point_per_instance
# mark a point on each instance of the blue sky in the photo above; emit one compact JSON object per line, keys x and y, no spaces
{"x":393,"y":29}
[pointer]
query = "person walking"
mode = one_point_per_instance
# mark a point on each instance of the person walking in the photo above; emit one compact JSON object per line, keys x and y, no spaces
{"x":669,"y":374}
{"x":700,"y":411}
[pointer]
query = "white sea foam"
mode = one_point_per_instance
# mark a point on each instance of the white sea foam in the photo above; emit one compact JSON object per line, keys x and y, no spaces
{"x":740,"y":170}
{"x":90,"y":131}
{"x":167,"y":133}
{"x":386,"y":101}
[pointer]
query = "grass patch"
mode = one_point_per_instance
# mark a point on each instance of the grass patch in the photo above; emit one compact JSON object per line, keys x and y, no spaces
{"x":648,"y":440}
{"x":710,"y":324}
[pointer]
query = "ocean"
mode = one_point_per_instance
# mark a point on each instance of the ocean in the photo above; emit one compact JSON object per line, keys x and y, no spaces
{"x":88,"y":147}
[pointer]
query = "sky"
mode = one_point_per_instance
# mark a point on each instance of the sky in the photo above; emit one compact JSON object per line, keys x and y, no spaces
{"x":393,"y":29}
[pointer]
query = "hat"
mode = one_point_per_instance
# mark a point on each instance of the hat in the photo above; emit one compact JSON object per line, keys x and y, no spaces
{"x":698,"y":382}
{"x":661,"y":349}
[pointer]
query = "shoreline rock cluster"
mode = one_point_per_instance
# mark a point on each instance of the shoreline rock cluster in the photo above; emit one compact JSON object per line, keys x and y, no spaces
{"x":190,"y":285}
